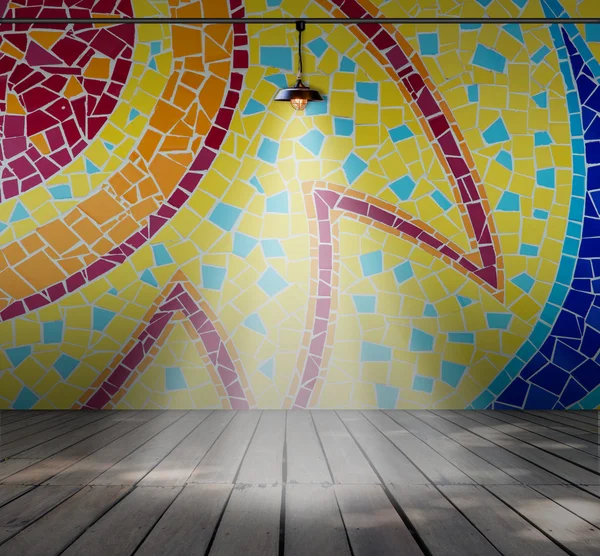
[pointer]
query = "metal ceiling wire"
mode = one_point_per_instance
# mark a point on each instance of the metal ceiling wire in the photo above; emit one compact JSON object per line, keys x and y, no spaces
{"x":292,"y":21}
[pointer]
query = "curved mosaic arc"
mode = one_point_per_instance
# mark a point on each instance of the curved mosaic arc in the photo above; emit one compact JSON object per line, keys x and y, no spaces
{"x":174,"y":201}
{"x":178,"y":297}
{"x":325,"y":203}
{"x":58,"y":87}
{"x":565,"y":368}
{"x":403,"y":64}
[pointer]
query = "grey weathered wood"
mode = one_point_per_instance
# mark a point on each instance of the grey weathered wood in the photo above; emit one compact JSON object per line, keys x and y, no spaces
{"x":250,"y":524}
{"x":515,"y":466}
{"x":10,"y":492}
{"x":391,"y":465}
{"x":222,"y":461}
{"x":474,"y":466}
{"x":187,"y":526}
{"x":177,"y":467}
{"x":549,"y":419}
{"x":569,"y":530}
{"x":56,"y":432}
{"x":564,"y":418}
{"x":43,"y":470}
{"x":87,"y":469}
{"x":347,"y":463}
{"x":551,"y":445}
{"x":505,"y":529}
{"x":583,"y":417}
{"x":13,"y":415}
{"x":19,"y":513}
{"x":55,"y":445}
{"x":548,"y":461}
{"x":435,"y":467}
{"x":575,"y":500}
{"x":556,"y":426}
{"x":51,"y":534}
{"x":313,"y":524}
{"x":25,"y":420}
{"x":372,"y":523}
{"x":559,"y":436}
{"x":11,"y":466}
{"x":124,"y":527}
{"x":42,"y":424}
{"x":305,"y":459}
{"x":443,"y":529}
{"x":591,"y":415}
{"x":263,"y":462}
{"x":132,"y":469}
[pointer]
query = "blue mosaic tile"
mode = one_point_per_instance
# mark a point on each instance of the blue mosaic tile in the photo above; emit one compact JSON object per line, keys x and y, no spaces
{"x":213,"y":277}
{"x":421,"y":341}
{"x":371,"y":263}
{"x":489,"y":59}
{"x":276,"y":57}
{"x":374,"y":352}
{"x":387,"y":396}
{"x":403,"y":188}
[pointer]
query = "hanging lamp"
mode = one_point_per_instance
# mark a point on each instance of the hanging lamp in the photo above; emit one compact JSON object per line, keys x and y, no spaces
{"x":299,"y":95}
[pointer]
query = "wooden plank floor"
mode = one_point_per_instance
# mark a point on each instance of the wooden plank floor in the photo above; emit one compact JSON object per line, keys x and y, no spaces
{"x":348,"y":483}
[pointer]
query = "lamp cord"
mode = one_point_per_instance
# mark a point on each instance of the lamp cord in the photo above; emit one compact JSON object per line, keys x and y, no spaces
{"x":300,"y":53}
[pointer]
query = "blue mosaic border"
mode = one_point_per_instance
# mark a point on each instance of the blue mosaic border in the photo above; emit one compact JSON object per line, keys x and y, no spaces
{"x":572,"y":243}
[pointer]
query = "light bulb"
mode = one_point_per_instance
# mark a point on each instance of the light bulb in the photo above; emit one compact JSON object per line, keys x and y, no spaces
{"x":298,"y":103}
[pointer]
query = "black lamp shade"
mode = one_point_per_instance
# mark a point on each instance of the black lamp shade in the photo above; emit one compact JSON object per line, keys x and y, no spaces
{"x":299,"y":92}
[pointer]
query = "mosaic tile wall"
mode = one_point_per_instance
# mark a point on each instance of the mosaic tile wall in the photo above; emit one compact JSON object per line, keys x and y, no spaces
{"x":427,"y":237}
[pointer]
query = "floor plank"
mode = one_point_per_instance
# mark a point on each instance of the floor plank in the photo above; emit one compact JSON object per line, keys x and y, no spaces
{"x":553,"y":446}
{"x":11,"y":466}
{"x":347,"y":463}
{"x":306,"y":461}
{"x":17,"y":447}
{"x":391,"y":465}
{"x":87,"y":469}
{"x":481,"y":471}
{"x":565,"y":438}
{"x":575,"y":500}
{"x":563,"y":417}
{"x":442,"y":527}
{"x":250,"y":524}
{"x":372,"y":523}
{"x":556,"y":426}
{"x":136,"y":465}
{"x":120,"y":531}
{"x":26,"y":509}
{"x":593,"y":415}
{"x":588,"y":418}
{"x":13,"y":415}
{"x":548,"y":461}
{"x":177,"y":467}
{"x":263,"y":463}
{"x":508,"y":531}
{"x":187,"y":526}
{"x":55,"y":445}
{"x":222,"y":461}
{"x":569,"y":530}
{"x":435,"y":467}
{"x":21,"y":435}
{"x":10,"y":492}
{"x":43,"y":470}
{"x":313,"y":524}
{"x":51,"y":534}
{"x":25,"y":420}
{"x":513,"y":465}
